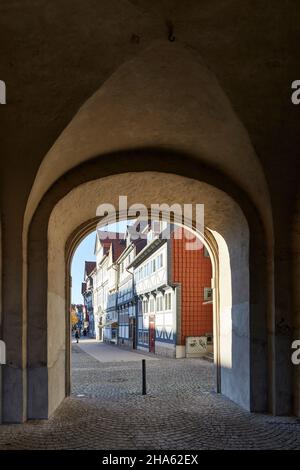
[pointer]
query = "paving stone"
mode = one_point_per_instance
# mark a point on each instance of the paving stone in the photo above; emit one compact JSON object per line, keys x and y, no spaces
{"x":181,"y":411}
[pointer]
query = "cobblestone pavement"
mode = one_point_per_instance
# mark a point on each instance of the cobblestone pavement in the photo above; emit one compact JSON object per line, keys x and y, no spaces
{"x":180,"y":411}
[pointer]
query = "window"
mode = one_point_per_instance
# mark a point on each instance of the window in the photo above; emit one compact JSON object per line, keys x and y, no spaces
{"x":146,"y":337}
{"x":168,"y":301}
{"x":156,"y":226}
{"x":208,"y":294}
{"x":159,"y":303}
{"x":150,"y":267}
{"x":145,"y":306}
{"x":113,"y":333}
{"x":158,"y":262}
{"x":153,"y":266}
{"x":151,"y":305}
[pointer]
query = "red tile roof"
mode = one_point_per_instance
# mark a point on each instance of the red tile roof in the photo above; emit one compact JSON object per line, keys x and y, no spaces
{"x":116,"y":241}
{"x":118,"y":246}
{"x":140,"y":243}
{"x":88,"y":267}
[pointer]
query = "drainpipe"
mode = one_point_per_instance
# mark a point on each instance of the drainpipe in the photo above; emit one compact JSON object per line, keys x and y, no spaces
{"x":114,"y":266}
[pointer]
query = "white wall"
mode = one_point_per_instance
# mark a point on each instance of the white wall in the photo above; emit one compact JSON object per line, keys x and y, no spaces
{"x":152,"y":280}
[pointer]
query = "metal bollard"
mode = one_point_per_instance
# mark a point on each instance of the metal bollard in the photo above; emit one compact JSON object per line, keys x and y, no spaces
{"x":144,"y":392}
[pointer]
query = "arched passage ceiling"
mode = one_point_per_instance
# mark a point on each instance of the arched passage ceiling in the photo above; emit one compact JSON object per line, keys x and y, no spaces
{"x":164,"y":98}
{"x":54,"y":55}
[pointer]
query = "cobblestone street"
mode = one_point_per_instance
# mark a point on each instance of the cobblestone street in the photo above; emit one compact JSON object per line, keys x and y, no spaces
{"x":181,"y":411}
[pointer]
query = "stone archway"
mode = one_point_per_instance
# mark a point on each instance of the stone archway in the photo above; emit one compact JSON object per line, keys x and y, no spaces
{"x":295,"y":256}
{"x":150,"y":117}
{"x":240,"y":374}
{"x":90,"y":226}
{"x":166,"y":99}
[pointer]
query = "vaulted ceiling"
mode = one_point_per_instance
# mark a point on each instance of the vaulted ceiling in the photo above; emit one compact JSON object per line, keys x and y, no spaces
{"x":54,"y":55}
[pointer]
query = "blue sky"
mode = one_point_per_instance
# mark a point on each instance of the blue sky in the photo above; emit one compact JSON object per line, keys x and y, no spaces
{"x":85,"y":252}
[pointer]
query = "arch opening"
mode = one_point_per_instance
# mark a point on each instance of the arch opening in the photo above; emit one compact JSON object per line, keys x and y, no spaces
{"x":227,"y":235}
{"x":194,"y":134}
{"x":138,"y":294}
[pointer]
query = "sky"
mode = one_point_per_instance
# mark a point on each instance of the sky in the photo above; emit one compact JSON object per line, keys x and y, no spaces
{"x":85,"y":252}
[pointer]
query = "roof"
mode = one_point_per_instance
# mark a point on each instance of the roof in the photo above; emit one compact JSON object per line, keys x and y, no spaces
{"x":114,"y":240}
{"x":89,"y":266}
{"x":109,"y":235}
{"x":118,"y":246}
{"x":147,"y":251}
{"x":140,"y":243}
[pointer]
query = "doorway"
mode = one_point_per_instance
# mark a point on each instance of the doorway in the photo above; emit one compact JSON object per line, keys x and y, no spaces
{"x":132,"y":333}
{"x":152,"y":334}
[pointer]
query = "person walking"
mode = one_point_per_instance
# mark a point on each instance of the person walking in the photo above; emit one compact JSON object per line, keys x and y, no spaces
{"x":77,"y":336}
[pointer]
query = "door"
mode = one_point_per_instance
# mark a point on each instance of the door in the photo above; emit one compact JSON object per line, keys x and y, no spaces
{"x":152,"y":334}
{"x":132,"y":333}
